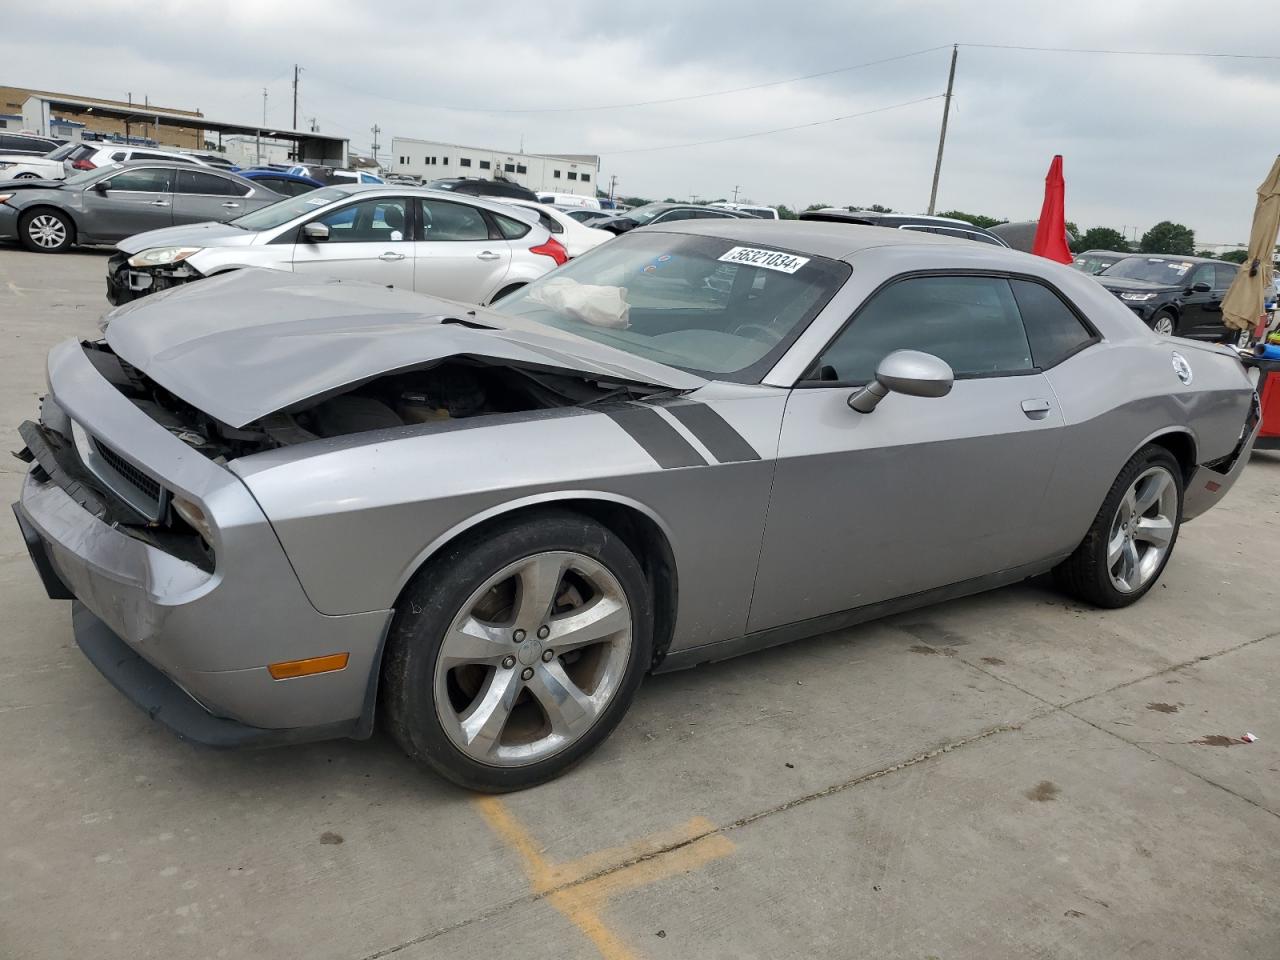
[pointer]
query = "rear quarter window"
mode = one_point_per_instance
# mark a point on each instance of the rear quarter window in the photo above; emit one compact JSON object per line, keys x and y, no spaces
{"x":1053,"y":330}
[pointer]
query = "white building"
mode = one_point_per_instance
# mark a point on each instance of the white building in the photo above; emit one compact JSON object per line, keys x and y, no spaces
{"x":431,"y":160}
{"x":245,"y":151}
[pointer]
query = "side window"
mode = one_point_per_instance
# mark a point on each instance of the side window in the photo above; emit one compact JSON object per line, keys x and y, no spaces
{"x":141,"y":181}
{"x":1225,"y":274}
{"x":1201,"y":274}
{"x":119,"y":156}
{"x":551,"y":223}
{"x":208,"y":184}
{"x":673,"y":215}
{"x":970,"y":322}
{"x":510,"y":228}
{"x":1052,"y":329}
{"x":442,"y":220}
{"x":372,"y":221}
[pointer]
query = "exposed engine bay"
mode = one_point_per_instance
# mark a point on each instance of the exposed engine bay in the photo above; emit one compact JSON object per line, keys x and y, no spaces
{"x":449,"y":389}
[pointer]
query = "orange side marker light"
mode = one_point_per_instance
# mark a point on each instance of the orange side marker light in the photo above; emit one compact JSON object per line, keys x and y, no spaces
{"x":288,"y":669}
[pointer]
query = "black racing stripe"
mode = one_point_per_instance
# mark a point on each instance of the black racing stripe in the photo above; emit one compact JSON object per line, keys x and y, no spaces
{"x":659,"y":439}
{"x":713,"y":431}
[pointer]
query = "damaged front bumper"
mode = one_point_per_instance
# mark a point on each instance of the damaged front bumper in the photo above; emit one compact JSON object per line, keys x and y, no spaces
{"x":126,"y":283}
{"x":191,"y":644}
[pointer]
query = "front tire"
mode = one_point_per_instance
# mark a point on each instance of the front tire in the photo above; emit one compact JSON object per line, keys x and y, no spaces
{"x":1164,"y":323}
{"x":514,"y":654}
{"x":1133,"y":535}
{"x":46,"y":230}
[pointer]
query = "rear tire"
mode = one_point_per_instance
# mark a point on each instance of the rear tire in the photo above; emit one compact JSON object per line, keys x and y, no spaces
{"x":1133,"y":535}
{"x":46,"y":230}
{"x":465,"y":697}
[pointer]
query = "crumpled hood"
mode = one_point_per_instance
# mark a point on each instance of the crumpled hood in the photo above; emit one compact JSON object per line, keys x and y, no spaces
{"x":210,"y":234}
{"x":253,"y":342}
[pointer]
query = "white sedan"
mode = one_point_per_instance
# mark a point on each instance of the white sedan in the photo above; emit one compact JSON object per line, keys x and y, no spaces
{"x":457,"y":247}
{"x":576,"y":237}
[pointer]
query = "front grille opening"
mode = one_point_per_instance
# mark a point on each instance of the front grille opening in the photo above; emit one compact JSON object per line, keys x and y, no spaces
{"x":147,"y":485}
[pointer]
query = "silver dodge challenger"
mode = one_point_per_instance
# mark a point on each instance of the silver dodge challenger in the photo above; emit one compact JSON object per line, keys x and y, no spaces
{"x":284,"y":506}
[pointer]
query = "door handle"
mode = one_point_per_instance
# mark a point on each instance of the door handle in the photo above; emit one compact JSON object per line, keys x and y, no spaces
{"x":1036,"y":409}
{"x":231,"y":204}
{"x":488,"y":255}
{"x":389,"y":256}
{"x":159,"y":203}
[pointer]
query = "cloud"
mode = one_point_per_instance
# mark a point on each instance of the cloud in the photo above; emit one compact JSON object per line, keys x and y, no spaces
{"x":1144,"y":138}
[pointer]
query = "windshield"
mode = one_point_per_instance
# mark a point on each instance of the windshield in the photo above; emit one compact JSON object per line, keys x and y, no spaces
{"x":276,"y":214}
{"x":642,"y":215}
{"x":1151,"y":269}
{"x":1095,"y":263}
{"x":703,"y":304}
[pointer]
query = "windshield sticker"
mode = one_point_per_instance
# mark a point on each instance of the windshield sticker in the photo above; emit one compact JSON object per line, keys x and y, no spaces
{"x":318,"y":201}
{"x":769,"y":259}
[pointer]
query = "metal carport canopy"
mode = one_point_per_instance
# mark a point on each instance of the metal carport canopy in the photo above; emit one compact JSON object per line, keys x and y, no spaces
{"x":313,"y":147}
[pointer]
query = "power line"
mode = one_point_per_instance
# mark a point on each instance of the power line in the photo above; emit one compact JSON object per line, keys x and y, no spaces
{"x":765,"y":133}
{"x":649,"y":103}
{"x":1125,"y":53}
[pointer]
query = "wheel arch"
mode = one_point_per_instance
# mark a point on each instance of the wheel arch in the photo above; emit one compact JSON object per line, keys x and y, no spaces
{"x":1180,"y":442}
{"x":644,"y":532}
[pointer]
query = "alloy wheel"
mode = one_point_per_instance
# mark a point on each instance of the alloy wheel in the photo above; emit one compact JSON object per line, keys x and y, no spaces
{"x":1163,"y":325}
{"x":533,"y":659}
{"x":1142,"y":530}
{"x":46,"y":230}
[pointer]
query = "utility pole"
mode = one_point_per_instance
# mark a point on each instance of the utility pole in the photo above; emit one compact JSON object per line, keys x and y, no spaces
{"x":736,"y":188}
{"x":264,"y":122}
{"x":375,"y":131}
{"x":296,"y":70}
{"x":613,"y":186}
{"x":942,"y":137}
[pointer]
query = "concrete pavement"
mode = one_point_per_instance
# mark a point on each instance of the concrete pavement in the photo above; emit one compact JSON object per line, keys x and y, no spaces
{"x":1010,"y":775}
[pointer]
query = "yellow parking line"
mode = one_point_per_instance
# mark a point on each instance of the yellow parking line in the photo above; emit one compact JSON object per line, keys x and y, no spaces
{"x":579,"y":899}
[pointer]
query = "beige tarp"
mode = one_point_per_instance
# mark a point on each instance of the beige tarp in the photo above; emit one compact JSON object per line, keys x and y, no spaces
{"x":1242,"y":306}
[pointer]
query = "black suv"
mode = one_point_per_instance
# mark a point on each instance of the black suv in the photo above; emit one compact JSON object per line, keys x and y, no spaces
{"x":944,"y":226}
{"x":484,"y":188}
{"x":1174,"y":296}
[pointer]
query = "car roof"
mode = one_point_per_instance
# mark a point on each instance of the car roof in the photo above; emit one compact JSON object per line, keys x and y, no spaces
{"x":1179,"y":257}
{"x":492,"y":204}
{"x":835,"y":241}
{"x":1105,"y":253}
{"x":258,"y":173}
{"x":872,"y":216}
{"x":166,"y":165}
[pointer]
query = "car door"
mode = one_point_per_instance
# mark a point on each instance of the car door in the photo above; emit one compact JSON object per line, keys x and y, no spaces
{"x":921,"y":492}
{"x":1197,"y":305}
{"x":368,"y":240}
{"x":128,"y":202}
{"x":457,"y":255}
{"x":200,"y":196}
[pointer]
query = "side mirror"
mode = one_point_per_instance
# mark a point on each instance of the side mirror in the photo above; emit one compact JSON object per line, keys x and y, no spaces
{"x":315,"y":232}
{"x":102,"y":186}
{"x":909,"y":372}
{"x":1200,"y":287}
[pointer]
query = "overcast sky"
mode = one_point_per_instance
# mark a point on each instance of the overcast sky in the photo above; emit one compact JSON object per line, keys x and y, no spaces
{"x":1144,"y":138}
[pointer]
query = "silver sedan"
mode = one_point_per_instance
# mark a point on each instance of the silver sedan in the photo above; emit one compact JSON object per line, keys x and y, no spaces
{"x":280,"y":504}
{"x":112,"y":202}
